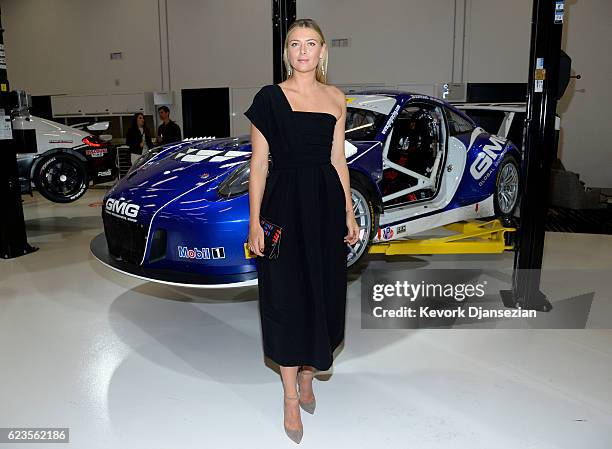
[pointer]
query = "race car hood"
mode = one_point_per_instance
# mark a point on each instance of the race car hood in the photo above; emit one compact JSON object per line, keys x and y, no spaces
{"x":198,"y":167}
{"x":178,"y":167}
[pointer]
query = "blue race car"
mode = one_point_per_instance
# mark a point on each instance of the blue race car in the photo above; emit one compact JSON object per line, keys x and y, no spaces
{"x":181,"y":214}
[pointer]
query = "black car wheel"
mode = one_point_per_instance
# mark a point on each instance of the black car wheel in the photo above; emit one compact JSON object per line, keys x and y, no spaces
{"x":61,"y":178}
{"x":506,"y":188}
{"x":366,"y":217}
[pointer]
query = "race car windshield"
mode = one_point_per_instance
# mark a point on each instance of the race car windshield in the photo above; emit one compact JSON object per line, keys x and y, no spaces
{"x":144,"y":158}
{"x":362,"y":124}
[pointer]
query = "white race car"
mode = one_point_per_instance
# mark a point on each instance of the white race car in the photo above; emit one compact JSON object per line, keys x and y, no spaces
{"x":61,"y":160}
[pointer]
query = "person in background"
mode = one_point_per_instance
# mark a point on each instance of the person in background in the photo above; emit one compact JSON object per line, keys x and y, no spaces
{"x":168,"y":131}
{"x":138,"y":137}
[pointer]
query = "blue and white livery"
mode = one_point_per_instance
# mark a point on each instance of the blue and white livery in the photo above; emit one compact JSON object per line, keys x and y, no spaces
{"x":181,"y":214}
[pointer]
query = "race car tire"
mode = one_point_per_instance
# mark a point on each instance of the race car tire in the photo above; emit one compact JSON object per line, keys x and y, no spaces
{"x":367,"y":219}
{"x":61,"y":178}
{"x":507,"y":188}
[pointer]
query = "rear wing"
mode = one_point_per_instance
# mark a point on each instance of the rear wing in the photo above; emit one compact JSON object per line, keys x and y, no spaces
{"x":92,"y":126}
{"x":507,"y":112}
{"x":509,"y":107}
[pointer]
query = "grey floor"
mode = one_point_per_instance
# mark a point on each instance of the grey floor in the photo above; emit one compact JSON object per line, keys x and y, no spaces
{"x":130,"y":364}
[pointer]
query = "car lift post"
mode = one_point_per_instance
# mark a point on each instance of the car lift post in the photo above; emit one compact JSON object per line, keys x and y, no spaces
{"x":283,"y":15}
{"x":13,"y":239}
{"x":540,"y":149}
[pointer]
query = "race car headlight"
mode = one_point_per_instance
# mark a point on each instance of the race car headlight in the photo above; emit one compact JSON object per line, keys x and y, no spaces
{"x":236,"y":183}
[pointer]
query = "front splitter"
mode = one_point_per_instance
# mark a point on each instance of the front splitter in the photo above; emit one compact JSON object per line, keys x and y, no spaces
{"x":99,"y":249}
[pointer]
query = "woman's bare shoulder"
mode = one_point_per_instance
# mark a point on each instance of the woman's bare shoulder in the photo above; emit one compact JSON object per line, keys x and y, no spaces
{"x":336,"y":94}
{"x":334,"y":91}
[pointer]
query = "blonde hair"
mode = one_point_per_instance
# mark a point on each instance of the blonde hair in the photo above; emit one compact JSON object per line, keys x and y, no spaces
{"x":321,"y":71}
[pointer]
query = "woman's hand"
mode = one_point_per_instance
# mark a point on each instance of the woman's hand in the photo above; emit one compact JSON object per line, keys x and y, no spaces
{"x":353,"y":228}
{"x":256,"y":239}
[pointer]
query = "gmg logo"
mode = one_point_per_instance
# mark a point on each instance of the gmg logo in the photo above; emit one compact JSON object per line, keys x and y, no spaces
{"x":122,"y":209}
{"x":486,"y":157}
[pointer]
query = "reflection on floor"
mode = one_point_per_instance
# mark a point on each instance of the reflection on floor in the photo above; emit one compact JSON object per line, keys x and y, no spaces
{"x":129,"y":364}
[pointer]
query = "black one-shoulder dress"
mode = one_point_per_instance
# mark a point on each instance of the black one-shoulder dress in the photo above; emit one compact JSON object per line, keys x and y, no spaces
{"x":302,"y":293}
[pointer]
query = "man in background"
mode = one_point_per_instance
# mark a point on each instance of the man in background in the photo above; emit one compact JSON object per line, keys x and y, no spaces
{"x":168,"y":131}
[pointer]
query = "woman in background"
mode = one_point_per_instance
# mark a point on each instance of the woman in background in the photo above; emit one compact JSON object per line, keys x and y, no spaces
{"x":138,"y":137}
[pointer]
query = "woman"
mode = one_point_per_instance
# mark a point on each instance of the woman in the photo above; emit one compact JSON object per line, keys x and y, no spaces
{"x":138,"y":137}
{"x":302,"y":293}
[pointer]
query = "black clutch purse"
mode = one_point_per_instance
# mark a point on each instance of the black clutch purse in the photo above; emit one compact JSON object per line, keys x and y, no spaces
{"x":272,"y":238}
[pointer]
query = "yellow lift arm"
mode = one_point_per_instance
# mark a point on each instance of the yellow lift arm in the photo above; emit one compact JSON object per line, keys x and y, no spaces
{"x":473,"y":237}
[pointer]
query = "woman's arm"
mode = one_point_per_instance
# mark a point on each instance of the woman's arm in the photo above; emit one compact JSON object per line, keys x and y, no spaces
{"x":258,"y":172}
{"x":257,"y":183}
{"x":338,"y":159}
{"x":148,"y":138}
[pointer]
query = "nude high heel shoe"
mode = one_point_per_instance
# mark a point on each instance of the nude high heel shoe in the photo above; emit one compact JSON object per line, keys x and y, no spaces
{"x":308,"y":406}
{"x":294,"y":434}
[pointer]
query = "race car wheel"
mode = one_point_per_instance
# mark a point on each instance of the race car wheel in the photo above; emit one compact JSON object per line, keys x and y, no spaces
{"x":61,"y":178}
{"x":506,"y":188}
{"x":366,"y":218}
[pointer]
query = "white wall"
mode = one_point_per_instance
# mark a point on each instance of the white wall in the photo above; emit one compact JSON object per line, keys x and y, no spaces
{"x":392,"y":41}
{"x":586,"y":127}
{"x":63,"y":46}
{"x":219,"y":44}
{"x":497,"y":41}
